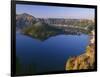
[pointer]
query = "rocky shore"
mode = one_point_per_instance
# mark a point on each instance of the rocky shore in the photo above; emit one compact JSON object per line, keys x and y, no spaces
{"x":83,"y":61}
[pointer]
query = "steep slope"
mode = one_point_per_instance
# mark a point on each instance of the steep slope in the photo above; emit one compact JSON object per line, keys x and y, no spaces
{"x":83,"y":61}
{"x":31,"y":26}
{"x":24,"y":20}
{"x":41,"y":31}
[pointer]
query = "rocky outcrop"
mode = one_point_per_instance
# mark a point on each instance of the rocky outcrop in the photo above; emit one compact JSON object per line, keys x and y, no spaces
{"x":24,"y":20}
{"x":83,"y":61}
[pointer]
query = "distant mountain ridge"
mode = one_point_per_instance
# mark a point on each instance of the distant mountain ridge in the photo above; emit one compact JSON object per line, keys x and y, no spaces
{"x":31,"y":26}
{"x":24,"y":20}
{"x":42,"y":28}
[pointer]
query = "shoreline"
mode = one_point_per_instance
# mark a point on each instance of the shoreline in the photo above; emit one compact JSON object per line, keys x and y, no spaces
{"x":85,"y":60}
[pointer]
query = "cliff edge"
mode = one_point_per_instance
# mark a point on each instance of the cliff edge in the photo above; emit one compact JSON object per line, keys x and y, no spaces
{"x":83,"y":61}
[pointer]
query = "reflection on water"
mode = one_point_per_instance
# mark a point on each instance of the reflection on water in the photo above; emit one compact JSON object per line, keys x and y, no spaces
{"x":37,"y":56}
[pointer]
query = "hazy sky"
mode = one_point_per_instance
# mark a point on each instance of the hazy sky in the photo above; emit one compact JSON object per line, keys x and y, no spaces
{"x":55,"y":12}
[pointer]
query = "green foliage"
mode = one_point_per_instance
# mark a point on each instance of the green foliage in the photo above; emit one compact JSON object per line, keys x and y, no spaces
{"x":41,"y":31}
{"x":84,"y":61}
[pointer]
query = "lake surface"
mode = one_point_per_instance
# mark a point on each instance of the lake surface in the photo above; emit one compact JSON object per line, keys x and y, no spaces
{"x":51,"y":54}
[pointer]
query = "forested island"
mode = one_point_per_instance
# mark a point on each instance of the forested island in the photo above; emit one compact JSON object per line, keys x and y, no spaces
{"x":42,"y":28}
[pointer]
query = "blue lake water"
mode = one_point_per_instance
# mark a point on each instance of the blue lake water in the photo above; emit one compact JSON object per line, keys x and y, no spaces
{"x":51,"y":54}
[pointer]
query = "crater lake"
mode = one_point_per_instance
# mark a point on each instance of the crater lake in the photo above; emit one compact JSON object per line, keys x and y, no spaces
{"x":51,"y":54}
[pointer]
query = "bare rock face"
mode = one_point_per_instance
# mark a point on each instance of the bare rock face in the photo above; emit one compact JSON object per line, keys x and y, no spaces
{"x":83,"y":61}
{"x":24,"y":20}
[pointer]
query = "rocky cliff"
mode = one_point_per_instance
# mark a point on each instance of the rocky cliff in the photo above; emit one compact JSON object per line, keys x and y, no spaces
{"x":83,"y":61}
